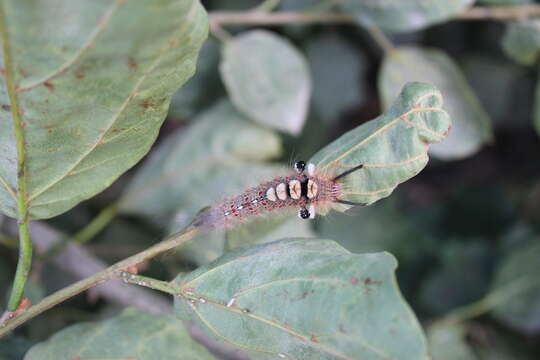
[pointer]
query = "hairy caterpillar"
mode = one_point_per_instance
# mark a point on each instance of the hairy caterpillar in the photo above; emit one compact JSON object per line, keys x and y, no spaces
{"x":304,"y":189}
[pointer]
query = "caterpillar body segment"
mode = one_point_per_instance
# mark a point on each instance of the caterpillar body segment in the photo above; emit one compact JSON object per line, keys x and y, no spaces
{"x":304,"y":189}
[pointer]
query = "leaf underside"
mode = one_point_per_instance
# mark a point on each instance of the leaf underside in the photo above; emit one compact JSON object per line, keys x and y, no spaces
{"x":393,"y":147}
{"x":93,"y":91}
{"x":471,"y":128}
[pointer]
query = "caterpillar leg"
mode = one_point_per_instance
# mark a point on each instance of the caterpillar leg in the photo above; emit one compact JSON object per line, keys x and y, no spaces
{"x":305,"y":213}
{"x":343,"y":174}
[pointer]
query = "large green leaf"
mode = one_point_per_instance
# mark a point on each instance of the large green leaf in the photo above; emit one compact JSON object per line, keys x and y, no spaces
{"x":400,"y":16}
{"x":520,"y":271}
{"x":268,"y":79}
{"x":132,"y":334}
{"x":93,"y":81}
{"x":471,"y":128}
{"x":303,"y":299}
{"x":393,"y":147}
{"x":521,"y":41}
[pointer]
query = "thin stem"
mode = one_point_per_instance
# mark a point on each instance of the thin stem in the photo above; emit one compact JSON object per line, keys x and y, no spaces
{"x":149,"y":282}
{"x":301,"y":17}
{"x":219,"y":33}
{"x":87,"y":233}
{"x":488,"y":302}
{"x":112,"y":272}
{"x":25,"y":242}
{"x":381,"y":39}
{"x":516,"y":12}
{"x":278,"y":18}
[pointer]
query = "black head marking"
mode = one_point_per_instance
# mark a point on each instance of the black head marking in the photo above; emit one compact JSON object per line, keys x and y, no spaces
{"x":300,"y":166}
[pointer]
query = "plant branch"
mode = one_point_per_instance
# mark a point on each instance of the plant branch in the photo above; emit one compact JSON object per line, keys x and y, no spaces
{"x":163,"y":286}
{"x":298,"y":17}
{"x":112,"y":272}
{"x":25,"y":242}
{"x":516,"y":12}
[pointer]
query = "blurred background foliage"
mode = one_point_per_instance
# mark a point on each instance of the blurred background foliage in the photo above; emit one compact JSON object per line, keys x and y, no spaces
{"x":466,"y":231}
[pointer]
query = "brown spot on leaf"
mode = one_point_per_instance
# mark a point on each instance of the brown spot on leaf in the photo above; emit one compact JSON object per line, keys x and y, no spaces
{"x":6,"y":107}
{"x":146,"y":104}
{"x":132,"y":63}
{"x":173,"y":43}
{"x":49,"y":85}
{"x":354,"y":280}
{"x":79,"y":74}
{"x":313,"y":338}
{"x":368,"y":281}
{"x":23,"y":72}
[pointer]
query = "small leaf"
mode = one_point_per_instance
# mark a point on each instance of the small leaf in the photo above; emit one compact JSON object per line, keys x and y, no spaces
{"x":303,"y":299}
{"x":336,"y":83}
{"x":521,"y":41}
{"x":471,"y":128}
{"x":520,"y":270}
{"x":401,"y":16}
{"x":267,"y":79}
{"x":393,"y":147}
{"x":93,"y":87}
{"x":132,"y":334}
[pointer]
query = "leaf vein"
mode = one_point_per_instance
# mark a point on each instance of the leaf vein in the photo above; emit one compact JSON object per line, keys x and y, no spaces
{"x":124,"y":105}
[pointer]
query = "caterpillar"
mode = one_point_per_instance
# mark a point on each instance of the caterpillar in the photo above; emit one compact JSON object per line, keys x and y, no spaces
{"x":304,"y":189}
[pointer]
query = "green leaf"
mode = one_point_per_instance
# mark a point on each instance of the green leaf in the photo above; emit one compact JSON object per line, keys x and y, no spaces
{"x":267,"y":79}
{"x":93,"y":87}
{"x":401,"y":16}
{"x":303,"y":299}
{"x":520,"y":269}
{"x":337,"y":83}
{"x":132,"y":334}
{"x":471,"y":128}
{"x":393,"y":147}
{"x":219,"y":139}
{"x":447,"y":342}
{"x":521,"y":41}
